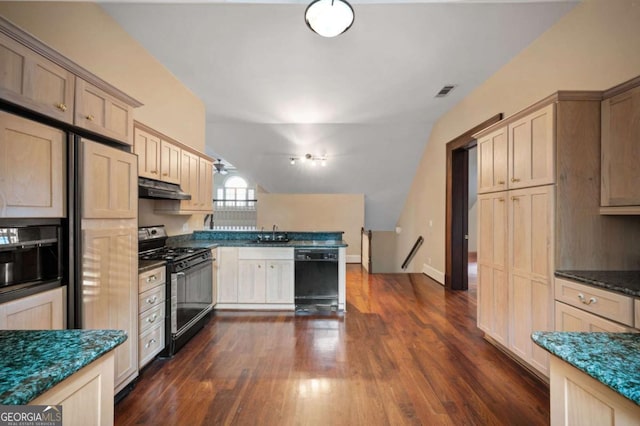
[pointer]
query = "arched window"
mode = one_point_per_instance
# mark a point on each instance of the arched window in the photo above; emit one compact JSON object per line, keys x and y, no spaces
{"x":235,"y":193}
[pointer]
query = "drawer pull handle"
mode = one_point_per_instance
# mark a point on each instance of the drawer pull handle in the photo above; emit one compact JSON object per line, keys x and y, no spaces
{"x":150,"y":342}
{"x":152,"y":319}
{"x":61,"y":107}
{"x":151,"y":278}
{"x":584,"y":299}
{"x":90,"y":117}
{"x":515,"y":180}
{"x":500,"y":182}
{"x":152,"y":300}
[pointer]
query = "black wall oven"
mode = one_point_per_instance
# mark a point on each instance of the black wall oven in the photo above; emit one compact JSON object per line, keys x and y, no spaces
{"x":30,"y":257}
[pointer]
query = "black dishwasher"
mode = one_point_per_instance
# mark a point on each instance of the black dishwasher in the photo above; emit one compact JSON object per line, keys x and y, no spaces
{"x":316,"y":279}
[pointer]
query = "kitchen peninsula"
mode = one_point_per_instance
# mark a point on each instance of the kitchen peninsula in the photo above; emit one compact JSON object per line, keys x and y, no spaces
{"x":261,"y":270}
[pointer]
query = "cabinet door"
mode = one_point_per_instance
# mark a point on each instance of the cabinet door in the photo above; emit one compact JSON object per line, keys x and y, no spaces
{"x":147,"y":148}
{"x":110,"y":182}
{"x":568,"y":318}
{"x":227,"y":260}
{"x":620,"y":183}
{"x":31,"y":169}
{"x":42,"y":311}
{"x":251,"y":281}
{"x":109,"y":290}
{"x":205,"y":185}
{"x":170,"y":162}
{"x":492,"y":161}
{"x":530,"y":289}
{"x":492,"y":277}
{"x":531,"y":149}
{"x":189,"y":167}
{"x":30,"y":80}
{"x":100,"y":112}
{"x":279,"y":281}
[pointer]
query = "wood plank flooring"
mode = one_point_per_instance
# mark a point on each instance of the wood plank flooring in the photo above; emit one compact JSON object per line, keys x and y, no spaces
{"x":405,"y":353}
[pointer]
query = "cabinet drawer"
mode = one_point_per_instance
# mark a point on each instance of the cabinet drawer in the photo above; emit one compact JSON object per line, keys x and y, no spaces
{"x":260,"y":253}
{"x":150,"y":317}
{"x":604,"y":303}
{"x":151,"y":342}
{"x":151,"y":298}
{"x":150,"y":279}
{"x":569,"y":318}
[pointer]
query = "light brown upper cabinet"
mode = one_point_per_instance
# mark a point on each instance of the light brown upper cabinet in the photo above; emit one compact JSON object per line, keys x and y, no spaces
{"x":147,"y":147}
{"x":32,"y":81}
{"x":99,"y":112}
{"x":170,"y":162}
{"x":32,"y":182}
{"x":157,"y":158}
{"x":111,"y":183}
{"x":492,"y":161}
{"x":531,"y":143}
{"x":205,"y":185}
{"x":620,"y":182}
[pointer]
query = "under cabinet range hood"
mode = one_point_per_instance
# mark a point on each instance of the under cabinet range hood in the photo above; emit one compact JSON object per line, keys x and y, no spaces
{"x":156,"y":190}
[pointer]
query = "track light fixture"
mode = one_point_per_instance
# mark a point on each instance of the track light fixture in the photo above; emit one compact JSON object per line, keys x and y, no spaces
{"x":308,"y":158}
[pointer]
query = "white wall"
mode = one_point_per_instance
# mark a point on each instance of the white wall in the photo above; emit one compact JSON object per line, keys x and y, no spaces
{"x":593,"y":47}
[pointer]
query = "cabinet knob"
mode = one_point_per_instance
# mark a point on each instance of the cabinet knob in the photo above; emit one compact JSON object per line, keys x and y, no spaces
{"x":259,"y":266}
{"x":165,"y":174}
{"x":514,"y":198}
{"x":501,"y":200}
{"x":584,"y":299}
{"x":61,"y":107}
{"x":271,"y":266}
{"x":515,"y":180}
{"x":90,"y":117}
{"x":500,"y":182}
{"x":154,"y":172}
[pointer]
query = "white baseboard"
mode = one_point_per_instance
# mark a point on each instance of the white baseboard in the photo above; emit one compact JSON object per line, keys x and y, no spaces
{"x":433,"y":273}
{"x":354,"y":258}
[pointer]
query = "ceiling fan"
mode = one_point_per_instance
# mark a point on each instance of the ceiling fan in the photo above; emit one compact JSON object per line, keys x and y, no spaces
{"x":220,"y":168}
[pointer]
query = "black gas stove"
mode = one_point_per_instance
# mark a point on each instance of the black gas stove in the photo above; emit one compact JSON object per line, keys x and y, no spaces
{"x":152,"y":246}
{"x":189,"y":288}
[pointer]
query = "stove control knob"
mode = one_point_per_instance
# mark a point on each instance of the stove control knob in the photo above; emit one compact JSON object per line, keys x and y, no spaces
{"x":154,"y":232}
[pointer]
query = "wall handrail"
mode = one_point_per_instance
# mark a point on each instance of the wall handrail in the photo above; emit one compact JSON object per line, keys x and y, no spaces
{"x":413,"y":252}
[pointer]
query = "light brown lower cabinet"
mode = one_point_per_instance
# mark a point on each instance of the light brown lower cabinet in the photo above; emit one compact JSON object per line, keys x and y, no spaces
{"x":577,"y":399}
{"x":42,"y":311}
{"x":86,"y":396}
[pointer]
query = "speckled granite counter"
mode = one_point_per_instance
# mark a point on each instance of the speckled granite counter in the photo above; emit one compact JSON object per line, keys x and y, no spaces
{"x":627,"y":282}
{"x":213,"y":239}
{"x":32,"y":362}
{"x":611,"y":358}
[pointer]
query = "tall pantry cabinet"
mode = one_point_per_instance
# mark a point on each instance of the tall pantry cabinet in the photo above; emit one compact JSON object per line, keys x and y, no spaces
{"x":538,"y":202}
{"x":109,"y":249}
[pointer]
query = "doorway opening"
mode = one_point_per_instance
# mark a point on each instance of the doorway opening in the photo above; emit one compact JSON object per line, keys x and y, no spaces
{"x":457,"y":208}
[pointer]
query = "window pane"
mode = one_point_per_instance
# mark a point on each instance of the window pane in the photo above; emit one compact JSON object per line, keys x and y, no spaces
{"x":235,"y":182}
{"x":251,"y":195}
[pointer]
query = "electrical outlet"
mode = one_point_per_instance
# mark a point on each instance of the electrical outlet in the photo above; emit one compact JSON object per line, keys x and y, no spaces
{"x":185,"y":227}
{"x":429,"y":260}
{"x":430,"y":225}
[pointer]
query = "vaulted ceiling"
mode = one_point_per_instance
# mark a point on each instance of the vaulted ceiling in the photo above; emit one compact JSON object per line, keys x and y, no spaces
{"x":366,"y":99}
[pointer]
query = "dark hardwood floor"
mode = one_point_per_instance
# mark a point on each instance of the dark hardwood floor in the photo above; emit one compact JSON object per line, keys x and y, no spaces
{"x":406,"y":352}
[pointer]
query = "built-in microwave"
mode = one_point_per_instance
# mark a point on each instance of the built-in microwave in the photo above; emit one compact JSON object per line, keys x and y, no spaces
{"x":30,"y":257}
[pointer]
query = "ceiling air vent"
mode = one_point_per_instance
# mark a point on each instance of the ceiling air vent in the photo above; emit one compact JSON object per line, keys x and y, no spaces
{"x":445,"y":90}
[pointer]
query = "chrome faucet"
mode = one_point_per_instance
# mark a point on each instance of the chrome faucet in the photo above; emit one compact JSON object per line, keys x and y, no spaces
{"x":273,"y":233}
{"x":261,"y":237}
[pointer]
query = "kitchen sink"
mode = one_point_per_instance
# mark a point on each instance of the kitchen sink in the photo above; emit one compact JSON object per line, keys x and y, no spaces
{"x":272,"y":241}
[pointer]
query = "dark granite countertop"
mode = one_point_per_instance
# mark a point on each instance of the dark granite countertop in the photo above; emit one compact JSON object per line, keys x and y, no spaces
{"x":248,"y":243}
{"x":32,"y":362}
{"x":147,"y":265}
{"x":297,"y":239}
{"x":627,"y":282}
{"x":611,"y":358}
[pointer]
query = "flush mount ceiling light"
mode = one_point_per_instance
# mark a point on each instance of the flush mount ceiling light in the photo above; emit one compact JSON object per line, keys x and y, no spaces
{"x":311,"y":159}
{"x":329,"y":18}
{"x":220,"y":168}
